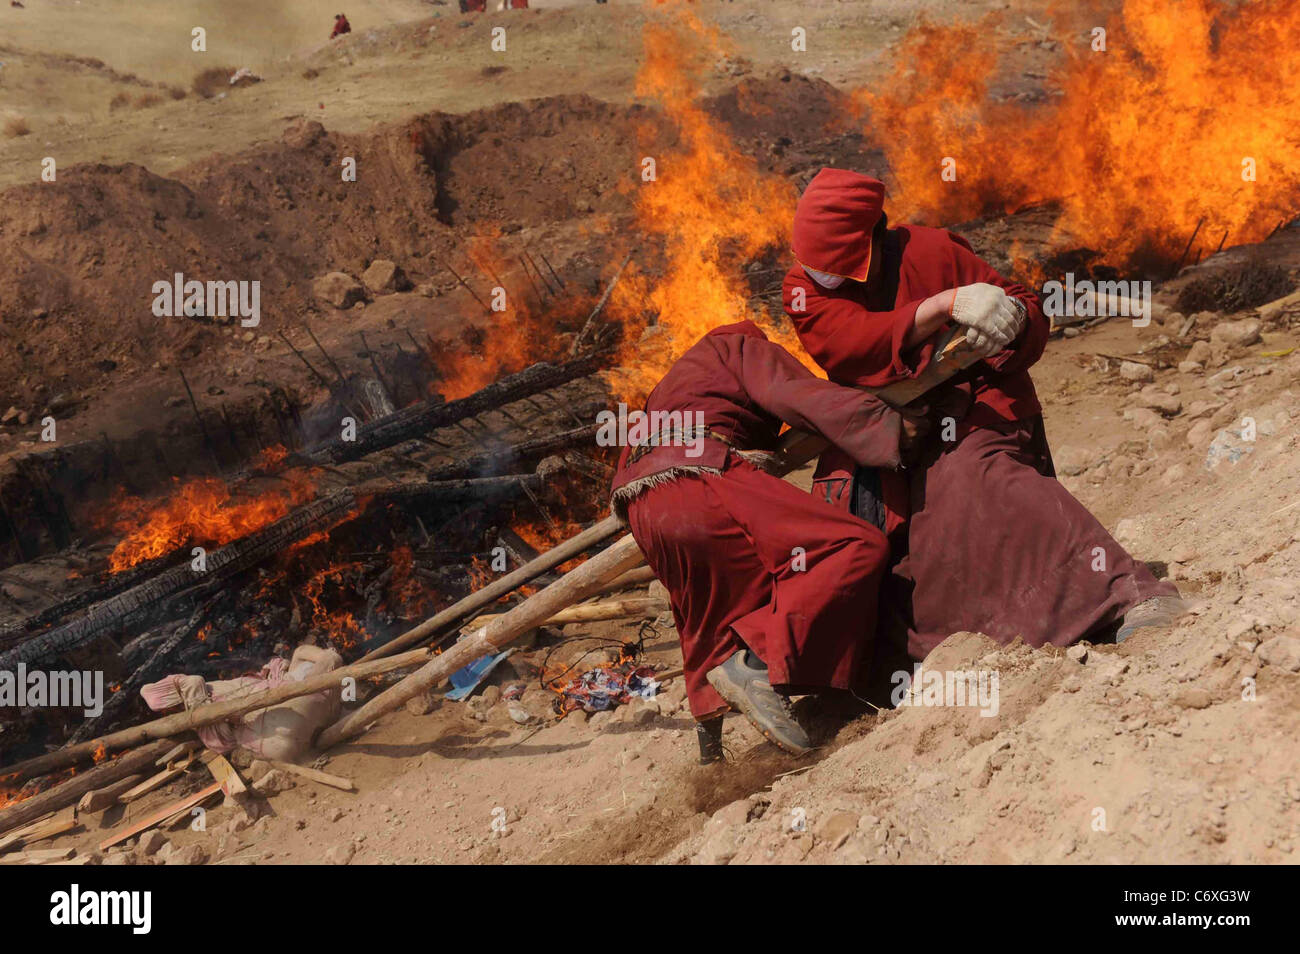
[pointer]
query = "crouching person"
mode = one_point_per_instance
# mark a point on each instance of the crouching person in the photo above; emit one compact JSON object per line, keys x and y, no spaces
{"x":773,"y":591}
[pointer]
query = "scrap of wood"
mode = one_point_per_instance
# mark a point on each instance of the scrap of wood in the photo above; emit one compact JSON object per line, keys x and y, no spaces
{"x":39,"y":856}
{"x":315,"y":775}
{"x":157,"y":781}
{"x":223,"y":772}
{"x":189,"y":801}
{"x":48,"y":827}
{"x":106,"y":797}
{"x":175,"y":753}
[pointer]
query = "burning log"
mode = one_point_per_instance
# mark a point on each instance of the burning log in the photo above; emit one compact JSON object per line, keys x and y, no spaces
{"x":474,"y":487}
{"x":225,"y":562}
{"x":494,"y":461}
{"x":426,"y":416}
{"x":67,"y":793}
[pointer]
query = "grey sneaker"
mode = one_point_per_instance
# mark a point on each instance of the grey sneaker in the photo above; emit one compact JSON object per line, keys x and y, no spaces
{"x":746,"y":688}
{"x":1157,"y":611}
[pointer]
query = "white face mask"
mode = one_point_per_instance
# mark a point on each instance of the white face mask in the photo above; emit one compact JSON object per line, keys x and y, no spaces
{"x":821,"y":278}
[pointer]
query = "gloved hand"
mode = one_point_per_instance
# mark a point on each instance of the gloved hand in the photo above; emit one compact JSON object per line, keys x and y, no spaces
{"x":991,"y":317}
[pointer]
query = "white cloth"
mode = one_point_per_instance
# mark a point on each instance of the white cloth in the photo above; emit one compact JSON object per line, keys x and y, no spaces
{"x":991,"y":317}
{"x":823,"y":279}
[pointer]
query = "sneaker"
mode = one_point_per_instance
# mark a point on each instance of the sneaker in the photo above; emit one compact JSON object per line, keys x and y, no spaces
{"x":1157,"y":611}
{"x":743,"y":683}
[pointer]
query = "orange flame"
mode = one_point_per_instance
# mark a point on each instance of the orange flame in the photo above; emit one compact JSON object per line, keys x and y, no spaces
{"x":709,"y":206}
{"x":204,"y":512}
{"x":1147,"y":138}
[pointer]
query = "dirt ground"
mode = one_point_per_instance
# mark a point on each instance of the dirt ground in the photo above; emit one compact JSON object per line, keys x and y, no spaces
{"x":1177,"y":747}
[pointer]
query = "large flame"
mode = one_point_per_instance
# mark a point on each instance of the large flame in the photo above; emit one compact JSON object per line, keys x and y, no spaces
{"x":1145,"y":142}
{"x":204,"y":511}
{"x":709,"y":207}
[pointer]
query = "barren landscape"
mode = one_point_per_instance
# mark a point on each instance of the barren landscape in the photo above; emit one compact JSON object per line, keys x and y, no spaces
{"x":478,"y":169}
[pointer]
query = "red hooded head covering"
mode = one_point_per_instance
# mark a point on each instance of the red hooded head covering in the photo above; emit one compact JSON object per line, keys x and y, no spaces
{"x":833,"y":223}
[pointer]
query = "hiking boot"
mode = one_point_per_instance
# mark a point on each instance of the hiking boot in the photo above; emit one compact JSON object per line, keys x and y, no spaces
{"x":742,"y":681}
{"x":1157,"y":611}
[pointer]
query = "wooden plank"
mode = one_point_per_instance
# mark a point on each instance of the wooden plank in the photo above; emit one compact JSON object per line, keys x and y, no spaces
{"x":56,"y":824}
{"x":590,"y":612}
{"x":39,"y":856}
{"x":156,"y":781}
{"x":223,"y":772}
{"x":315,"y":775}
{"x":161,"y":815}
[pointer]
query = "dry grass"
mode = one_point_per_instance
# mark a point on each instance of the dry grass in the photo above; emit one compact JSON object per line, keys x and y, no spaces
{"x":16,"y":126}
{"x":214,"y":80}
{"x":1235,"y":288}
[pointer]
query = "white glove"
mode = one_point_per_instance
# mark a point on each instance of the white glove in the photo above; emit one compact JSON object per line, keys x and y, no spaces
{"x":991,"y":317}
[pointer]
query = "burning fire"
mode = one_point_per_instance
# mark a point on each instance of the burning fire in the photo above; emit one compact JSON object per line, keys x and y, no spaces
{"x":710,"y":207}
{"x":1147,"y":141}
{"x":203,"y":511}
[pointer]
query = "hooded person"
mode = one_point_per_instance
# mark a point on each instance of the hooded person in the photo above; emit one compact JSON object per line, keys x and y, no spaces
{"x":983,"y":535}
{"x":341,"y":26}
{"x":772,"y":590}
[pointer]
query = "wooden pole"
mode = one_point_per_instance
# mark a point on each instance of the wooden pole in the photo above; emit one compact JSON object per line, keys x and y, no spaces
{"x":593,"y":612}
{"x":600,"y":305}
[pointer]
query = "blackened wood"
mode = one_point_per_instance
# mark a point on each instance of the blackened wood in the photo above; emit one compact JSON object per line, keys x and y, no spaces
{"x":493,"y":462}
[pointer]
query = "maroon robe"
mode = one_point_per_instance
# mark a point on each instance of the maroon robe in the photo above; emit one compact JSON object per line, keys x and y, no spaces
{"x":985,"y":537}
{"x":748,"y":559}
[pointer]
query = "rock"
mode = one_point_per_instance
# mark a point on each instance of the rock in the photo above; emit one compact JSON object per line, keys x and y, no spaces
{"x":600,"y":720}
{"x":1192,"y":697}
{"x":383,"y":277}
{"x":1133,"y":371}
{"x":1078,"y":653}
{"x":1228,"y":335}
{"x":1282,"y":652}
{"x":422,"y":704}
{"x":11,"y":416}
{"x":121,"y":858}
{"x":151,"y":841}
{"x":1229,"y":447}
{"x":519,"y":714}
{"x":1072,"y":461}
{"x":338,"y":289}
{"x":1166,"y":404}
{"x":273,"y":782}
{"x":658,"y":591}
{"x":836,"y":828}
{"x":194,"y":854}
{"x":341,"y":854}
{"x":1200,"y":353}
{"x":1274,"y":309}
{"x":644,"y":711}
{"x":1199,"y":434}
{"x":1188,"y":367}
{"x":257,"y":768}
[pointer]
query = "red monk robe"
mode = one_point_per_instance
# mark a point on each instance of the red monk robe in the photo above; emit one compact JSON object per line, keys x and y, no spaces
{"x":748,"y":559}
{"x":984,"y":536}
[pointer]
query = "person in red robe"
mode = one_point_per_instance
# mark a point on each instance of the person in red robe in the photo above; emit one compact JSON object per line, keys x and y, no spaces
{"x":771,"y":589}
{"x":984,"y":537}
{"x":341,"y":25}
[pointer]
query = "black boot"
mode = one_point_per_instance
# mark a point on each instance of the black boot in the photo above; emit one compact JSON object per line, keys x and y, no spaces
{"x":709,"y":734}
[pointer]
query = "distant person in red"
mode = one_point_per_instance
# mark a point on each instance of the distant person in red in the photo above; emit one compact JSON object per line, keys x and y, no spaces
{"x":985,"y":538}
{"x":341,"y":25}
{"x":771,"y":589}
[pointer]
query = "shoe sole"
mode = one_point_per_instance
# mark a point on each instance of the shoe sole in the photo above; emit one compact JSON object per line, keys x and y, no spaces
{"x":735,"y":697}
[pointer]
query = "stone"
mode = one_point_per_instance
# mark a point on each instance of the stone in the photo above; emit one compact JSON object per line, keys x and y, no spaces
{"x":341,"y":854}
{"x":422,"y":704}
{"x":383,"y":277}
{"x":151,"y":841}
{"x":1199,"y":434}
{"x":836,"y":828}
{"x":1228,"y":335}
{"x":1072,"y":461}
{"x":1078,"y":653}
{"x":194,"y":854}
{"x":1282,"y":652}
{"x":1134,"y":371}
{"x":643,"y":711}
{"x":1165,"y":403}
{"x":1192,"y":697}
{"x":273,"y":782}
{"x":1200,"y":353}
{"x":338,"y":289}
